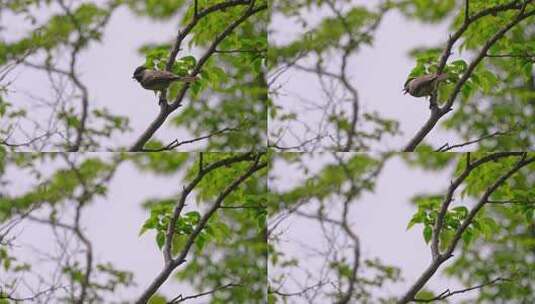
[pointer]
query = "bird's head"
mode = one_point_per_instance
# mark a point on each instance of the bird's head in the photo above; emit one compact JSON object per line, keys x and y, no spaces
{"x":138,"y":73}
{"x":406,"y":85}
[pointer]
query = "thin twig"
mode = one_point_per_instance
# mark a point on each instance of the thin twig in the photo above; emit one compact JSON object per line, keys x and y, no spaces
{"x":180,"y":298}
{"x":446,"y":147}
{"x":176,"y":143}
{"x":447,"y":293}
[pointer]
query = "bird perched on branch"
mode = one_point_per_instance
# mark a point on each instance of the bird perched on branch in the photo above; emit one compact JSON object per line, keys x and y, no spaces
{"x":155,"y":80}
{"x":423,"y":85}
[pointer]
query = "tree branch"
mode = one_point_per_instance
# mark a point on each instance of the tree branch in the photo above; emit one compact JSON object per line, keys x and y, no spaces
{"x":180,"y":298}
{"x":175,"y":143}
{"x":446,"y":147}
{"x":447,"y":293}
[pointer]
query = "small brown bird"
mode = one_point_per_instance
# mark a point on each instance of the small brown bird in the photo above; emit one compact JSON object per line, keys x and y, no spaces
{"x":155,"y":80}
{"x":423,"y":85}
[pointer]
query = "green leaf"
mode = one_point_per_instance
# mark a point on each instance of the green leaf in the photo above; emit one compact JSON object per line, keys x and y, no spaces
{"x":459,"y":66}
{"x":160,"y":239}
{"x":462,"y":211}
{"x":468,"y":236}
{"x":200,"y":242}
{"x":189,"y":61}
{"x":424,"y":294}
{"x":157,"y":299}
{"x":417,"y":218}
{"x":428,"y":233}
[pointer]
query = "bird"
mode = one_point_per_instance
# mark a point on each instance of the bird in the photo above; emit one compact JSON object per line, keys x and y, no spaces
{"x":423,"y":85}
{"x":156,"y":80}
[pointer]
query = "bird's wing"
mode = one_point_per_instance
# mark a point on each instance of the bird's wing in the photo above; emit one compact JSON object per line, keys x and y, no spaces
{"x":172,"y":77}
{"x":406,"y":84}
{"x":442,"y":76}
{"x":423,"y":80}
{"x":428,"y":78}
{"x":158,"y":78}
{"x":164,"y":75}
{"x":150,"y":80}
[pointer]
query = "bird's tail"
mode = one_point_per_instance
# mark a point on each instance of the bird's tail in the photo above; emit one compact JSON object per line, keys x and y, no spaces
{"x":188,"y":79}
{"x":442,"y":76}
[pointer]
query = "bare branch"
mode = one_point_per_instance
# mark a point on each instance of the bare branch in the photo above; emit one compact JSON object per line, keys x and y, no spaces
{"x":29,"y":298}
{"x":447,"y":293}
{"x":528,"y":56}
{"x":240,"y":51}
{"x":297,"y":293}
{"x":466,"y":11}
{"x":180,"y":298}
{"x":176,"y":143}
{"x":446,"y":147}
{"x":510,"y":202}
